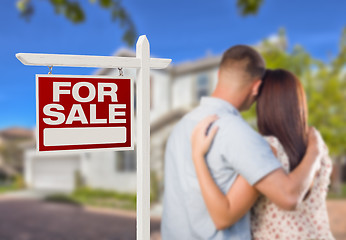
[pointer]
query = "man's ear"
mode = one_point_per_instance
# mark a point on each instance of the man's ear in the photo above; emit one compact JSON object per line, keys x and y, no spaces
{"x":256,"y":86}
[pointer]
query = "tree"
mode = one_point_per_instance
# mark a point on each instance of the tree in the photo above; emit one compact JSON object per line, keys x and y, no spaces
{"x":249,"y":7}
{"x":73,"y":11}
{"x":328,"y":101}
{"x":328,"y":105}
{"x":325,"y":86}
{"x":324,"y":83}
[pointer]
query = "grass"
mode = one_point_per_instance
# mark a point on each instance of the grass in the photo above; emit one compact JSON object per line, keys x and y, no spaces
{"x":62,"y":198}
{"x":116,"y":200}
{"x":332,"y":195}
{"x":13,"y":184}
{"x":97,"y":197}
{"x":8,"y":188}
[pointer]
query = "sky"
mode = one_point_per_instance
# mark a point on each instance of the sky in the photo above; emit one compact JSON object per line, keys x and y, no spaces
{"x":180,"y":30}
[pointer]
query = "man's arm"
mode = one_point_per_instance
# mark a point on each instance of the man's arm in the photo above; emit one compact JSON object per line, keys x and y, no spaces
{"x":287,"y":191}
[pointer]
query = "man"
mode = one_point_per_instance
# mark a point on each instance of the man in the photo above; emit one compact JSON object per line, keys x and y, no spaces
{"x":236,"y":149}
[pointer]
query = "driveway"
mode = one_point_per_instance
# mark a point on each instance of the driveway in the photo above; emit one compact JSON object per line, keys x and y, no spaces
{"x":37,"y":220}
{"x":337,"y":218}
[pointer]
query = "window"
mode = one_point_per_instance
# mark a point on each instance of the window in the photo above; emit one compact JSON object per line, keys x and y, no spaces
{"x":202,"y":86}
{"x":125,"y":161}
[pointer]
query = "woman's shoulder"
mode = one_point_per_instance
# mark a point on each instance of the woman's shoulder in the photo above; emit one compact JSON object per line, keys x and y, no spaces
{"x":275,"y":143}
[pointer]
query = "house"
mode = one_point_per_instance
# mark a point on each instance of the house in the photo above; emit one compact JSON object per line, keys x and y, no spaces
{"x":174,"y":92}
{"x":13,"y":142}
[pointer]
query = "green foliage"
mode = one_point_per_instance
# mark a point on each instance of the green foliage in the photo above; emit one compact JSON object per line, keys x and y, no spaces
{"x":100,"y":193}
{"x":25,"y":8}
{"x":154,"y":187}
{"x":75,"y":13}
{"x":105,"y":3}
{"x":19,"y":182}
{"x":79,"y":179}
{"x":71,"y":10}
{"x":248,"y":7}
{"x":342,"y":194}
{"x":325,"y":86}
{"x":62,"y":198}
{"x":97,"y":197}
{"x":8,"y":188}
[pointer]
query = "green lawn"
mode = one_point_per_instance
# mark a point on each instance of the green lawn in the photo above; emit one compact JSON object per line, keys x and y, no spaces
{"x":97,"y":197}
{"x":116,"y":200}
{"x":8,"y":188}
{"x":14,"y":184}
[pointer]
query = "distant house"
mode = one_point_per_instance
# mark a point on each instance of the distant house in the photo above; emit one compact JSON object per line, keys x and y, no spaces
{"x":174,"y":91}
{"x":13,"y":142}
{"x":16,"y":134}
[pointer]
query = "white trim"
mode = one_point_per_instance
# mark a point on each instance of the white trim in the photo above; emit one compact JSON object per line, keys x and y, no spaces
{"x":143,"y":139}
{"x":61,"y":60}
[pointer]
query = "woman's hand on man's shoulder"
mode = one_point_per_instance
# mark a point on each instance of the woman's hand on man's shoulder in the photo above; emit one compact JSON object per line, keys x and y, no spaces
{"x":316,"y":145}
{"x":201,"y":138}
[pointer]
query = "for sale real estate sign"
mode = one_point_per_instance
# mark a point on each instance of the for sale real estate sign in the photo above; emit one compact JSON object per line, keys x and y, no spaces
{"x":83,"y":112}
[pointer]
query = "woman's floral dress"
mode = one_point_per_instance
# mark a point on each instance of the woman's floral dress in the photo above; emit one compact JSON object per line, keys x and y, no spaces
{"x":308,"y":221}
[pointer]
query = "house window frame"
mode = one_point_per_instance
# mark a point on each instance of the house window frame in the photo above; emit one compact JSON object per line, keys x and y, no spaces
{"x":205,"y":75}
{"x":126,"y":161}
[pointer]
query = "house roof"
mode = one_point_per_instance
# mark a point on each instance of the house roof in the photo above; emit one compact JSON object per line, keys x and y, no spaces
{"x":203,"y":64}
{"x":167,"y":119}
{"x":207,"y":62}
{"x":16,"y":133}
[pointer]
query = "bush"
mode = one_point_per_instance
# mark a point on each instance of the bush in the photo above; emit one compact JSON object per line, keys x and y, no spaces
{"x":19,"y":182}
{"x":61,"y":198}
{"x":342,"y":194}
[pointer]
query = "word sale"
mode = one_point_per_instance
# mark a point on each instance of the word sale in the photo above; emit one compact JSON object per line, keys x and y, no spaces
{"x":54,"y":113}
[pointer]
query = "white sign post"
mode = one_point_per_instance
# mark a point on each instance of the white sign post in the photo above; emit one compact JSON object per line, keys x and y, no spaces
{"x":143,"y":63}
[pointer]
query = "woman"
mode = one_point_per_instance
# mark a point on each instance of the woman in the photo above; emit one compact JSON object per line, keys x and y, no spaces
{"x":282,"y":120}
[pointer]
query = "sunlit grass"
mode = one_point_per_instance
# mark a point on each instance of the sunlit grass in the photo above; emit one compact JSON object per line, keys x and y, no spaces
{"x":97,"y":197}
{"x":8,"y":187}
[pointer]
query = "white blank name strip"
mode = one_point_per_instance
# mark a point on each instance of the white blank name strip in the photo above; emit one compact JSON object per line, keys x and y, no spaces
{"x":83,"y":136}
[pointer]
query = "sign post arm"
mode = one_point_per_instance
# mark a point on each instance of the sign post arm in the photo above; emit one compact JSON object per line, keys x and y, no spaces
{"x":143,"y":139}
{"x":60,"y":60}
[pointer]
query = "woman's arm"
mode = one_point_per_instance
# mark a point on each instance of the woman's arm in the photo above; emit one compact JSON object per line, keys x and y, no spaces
{"x":225,"y":210}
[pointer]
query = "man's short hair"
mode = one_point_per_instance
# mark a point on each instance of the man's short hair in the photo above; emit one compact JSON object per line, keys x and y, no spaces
{"x":254,"y":63}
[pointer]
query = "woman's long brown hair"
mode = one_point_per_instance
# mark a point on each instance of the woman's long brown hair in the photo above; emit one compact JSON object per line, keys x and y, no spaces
{"x":282,"y":112}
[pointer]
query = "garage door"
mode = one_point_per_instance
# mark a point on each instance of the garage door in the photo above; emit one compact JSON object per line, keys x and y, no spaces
{"x":54,"y":172}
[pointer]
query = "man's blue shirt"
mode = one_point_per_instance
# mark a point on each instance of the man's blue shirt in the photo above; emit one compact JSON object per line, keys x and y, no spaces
{"x":236,"y":149}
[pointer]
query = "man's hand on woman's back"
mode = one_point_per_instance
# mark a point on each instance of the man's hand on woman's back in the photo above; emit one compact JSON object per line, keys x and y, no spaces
{"x":287,"y":191}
